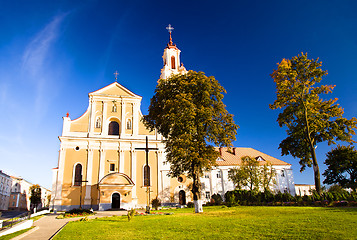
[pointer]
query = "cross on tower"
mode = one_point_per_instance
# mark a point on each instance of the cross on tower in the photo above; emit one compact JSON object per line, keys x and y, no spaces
{"x":170,"y":28}
{"x":116,"y":75}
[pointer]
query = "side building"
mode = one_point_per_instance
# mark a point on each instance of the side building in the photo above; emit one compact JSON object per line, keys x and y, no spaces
{"x":20,"y":195}
{"x":216,"y":181}
{"x":5,"y":190}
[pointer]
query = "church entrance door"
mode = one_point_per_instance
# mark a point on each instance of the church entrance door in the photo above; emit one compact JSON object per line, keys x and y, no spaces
{"x":116,"y":200}
{"x":182,"y":197}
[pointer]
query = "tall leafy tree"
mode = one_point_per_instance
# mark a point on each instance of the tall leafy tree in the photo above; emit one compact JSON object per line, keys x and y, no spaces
{"x":309,"y":118}
{"x":238,"y":176}
{"x":188,"y":111}
{"x":35,"y":195}
{"x":342,"y":167}
{"x":252,"y":175}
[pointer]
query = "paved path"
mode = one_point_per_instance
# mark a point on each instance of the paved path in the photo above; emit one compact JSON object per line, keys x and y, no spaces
{"x":47,"y":226}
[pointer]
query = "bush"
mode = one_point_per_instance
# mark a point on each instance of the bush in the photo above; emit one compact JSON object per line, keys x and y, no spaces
{"x":216,"y":199}
{"x":156,"y":203}
{"x":190,"y":205}
{"x":131,"y":214}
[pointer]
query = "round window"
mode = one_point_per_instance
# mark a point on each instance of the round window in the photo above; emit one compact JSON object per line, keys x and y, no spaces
{"x":77,"y":148}
{"x":180,"y":179}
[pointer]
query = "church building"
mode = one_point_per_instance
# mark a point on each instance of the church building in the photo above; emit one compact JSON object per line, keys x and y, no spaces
{"x":102,"y":159}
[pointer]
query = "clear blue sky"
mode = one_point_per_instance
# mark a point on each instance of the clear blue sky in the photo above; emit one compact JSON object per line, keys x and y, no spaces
{"x":53,"y":53}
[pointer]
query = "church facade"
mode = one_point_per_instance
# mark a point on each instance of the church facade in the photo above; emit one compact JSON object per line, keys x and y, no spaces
{"x":102,"y":159}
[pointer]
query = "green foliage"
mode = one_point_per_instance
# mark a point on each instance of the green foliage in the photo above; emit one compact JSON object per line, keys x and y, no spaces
{"x":342,"y":167}
{"x":188,"y":111}
{"x":35,"y":194}
{"x":309,"y":119}
{"x":190,"y":205}
{"x":131,"y":213}
{"x":250,"y":174}
{"x":156,"y":203}
{"x":216,"y":199}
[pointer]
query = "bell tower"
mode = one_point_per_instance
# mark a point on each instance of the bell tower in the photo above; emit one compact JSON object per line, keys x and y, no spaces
{"x":171,"y":59}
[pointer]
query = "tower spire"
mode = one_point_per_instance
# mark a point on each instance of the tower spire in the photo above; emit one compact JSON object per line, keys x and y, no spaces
{"x":170,"y":28}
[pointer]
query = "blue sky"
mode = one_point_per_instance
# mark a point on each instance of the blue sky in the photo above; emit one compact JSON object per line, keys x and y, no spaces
{"x":53,"y":53}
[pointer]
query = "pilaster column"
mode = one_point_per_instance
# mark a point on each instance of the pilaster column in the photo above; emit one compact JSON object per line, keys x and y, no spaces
{"x":102,"y":163}
{"x":159,"y":168}
{"x":104,"y":120}
{"x":92,"y":115}
{"x":135,"y":124}
{"x":121,"y":160}
{"x":133,"y":172}
{"x":61,"y":163}
{"x":122,"y":125}
{"x":87,"y":199}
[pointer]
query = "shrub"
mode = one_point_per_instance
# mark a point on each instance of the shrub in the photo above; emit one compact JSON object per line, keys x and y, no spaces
{"x":190,"y":204}
{"x":131,"y":214}
{"x":156,"y":203}
{"x":216,"y":199}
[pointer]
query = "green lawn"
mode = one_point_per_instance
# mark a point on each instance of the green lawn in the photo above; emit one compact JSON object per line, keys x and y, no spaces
{"x":224,"y":223}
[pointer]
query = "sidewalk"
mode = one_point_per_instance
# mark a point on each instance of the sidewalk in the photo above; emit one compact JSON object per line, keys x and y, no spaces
{"x":47,"y":226}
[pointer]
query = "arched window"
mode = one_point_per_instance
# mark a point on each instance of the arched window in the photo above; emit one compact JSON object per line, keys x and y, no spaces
{"x":78,"y":175}
{"x":146,"y":175}
{"x":173,"y":65}
{"x":98,"y":123}
{"x":113,"y":128}
{"x":128,"y":124}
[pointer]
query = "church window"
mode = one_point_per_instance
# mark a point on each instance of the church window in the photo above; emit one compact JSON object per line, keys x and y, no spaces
{"x":98,"y":123}
{"x":77,"y":148}
{"x":78,"y":175}
{"x":173,"y":65}
{"x":180,"y":179}
{"x":282,"y":173}
{"x":114,"y":108}
{"x":206,"y":175}
{"x":146,"y":175}
{"x":219,"y":174}
{"x":128,"y":124}
{"x":112,"y":167}
{"x":113,"y":128}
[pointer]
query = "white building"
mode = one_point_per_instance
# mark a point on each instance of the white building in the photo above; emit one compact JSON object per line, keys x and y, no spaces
{"x":304,"y":189}
{"x":21,"y":187}
{"x":5,"y":190}
{"x":217,"y":182}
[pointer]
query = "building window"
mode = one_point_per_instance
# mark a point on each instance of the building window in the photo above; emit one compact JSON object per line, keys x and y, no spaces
{"x":206,"y":175}
{"x":98,"y":123}
{"x":113,"y":128}
{"x":219,"y":174}
{"x":173,"y":65}
{"x":180,"y":179}
{"x":146,"y":175}
{"x":128,"y":124}
{"x":114,"y":107}
{"x":78,"y":175}
{"x":282,"y":173}
{"x":208,"y":195}
{"x":112,"y":167}
{"x":13,"y":204}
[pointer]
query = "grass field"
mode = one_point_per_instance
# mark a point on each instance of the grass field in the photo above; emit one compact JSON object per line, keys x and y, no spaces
{"x":224,"y":223}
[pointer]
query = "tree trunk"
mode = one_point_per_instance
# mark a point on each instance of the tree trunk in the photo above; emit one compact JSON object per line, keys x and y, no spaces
{"x":316,"y":170}
{"x":196,"y":196}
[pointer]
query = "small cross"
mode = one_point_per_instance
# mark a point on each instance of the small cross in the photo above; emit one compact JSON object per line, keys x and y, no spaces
{"x":116,"y":75}
{"x":169,"y":28}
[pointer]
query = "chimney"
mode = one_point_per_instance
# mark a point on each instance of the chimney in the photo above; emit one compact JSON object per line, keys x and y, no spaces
{"x":234,"y":151}
{"x":220,"y":151}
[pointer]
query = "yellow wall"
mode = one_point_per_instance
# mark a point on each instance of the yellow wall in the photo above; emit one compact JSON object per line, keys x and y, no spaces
{"x":80,"y":124}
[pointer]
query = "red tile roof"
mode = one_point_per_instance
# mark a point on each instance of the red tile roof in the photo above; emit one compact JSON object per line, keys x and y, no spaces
{"x":228,"y":158}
